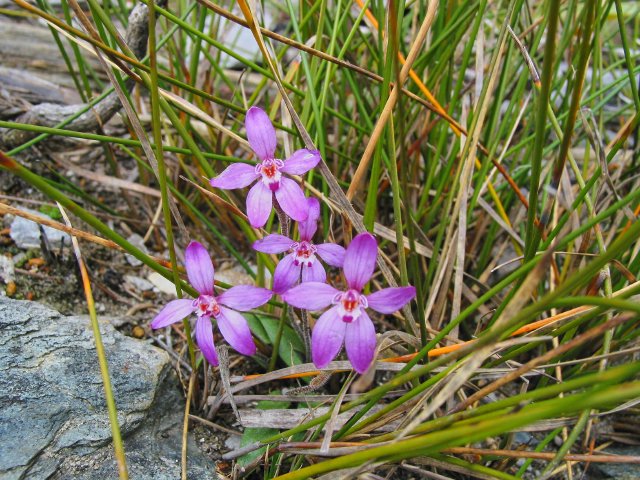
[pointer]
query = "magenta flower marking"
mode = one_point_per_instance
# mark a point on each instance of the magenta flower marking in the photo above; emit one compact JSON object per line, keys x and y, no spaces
{"x":347,"y":320}
{"x":222,"y":308}
{"x":262,"y":138}
{"x":301,"y":262}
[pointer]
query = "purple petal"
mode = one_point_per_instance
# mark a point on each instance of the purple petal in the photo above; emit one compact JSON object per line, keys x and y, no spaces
{"x":314,"y":273}
{"x":199,"y":268}
{"x":301,"y":162}
{"x":260,"y":132}
{"x":388,"y":300}
{"x":308,"y":227}
{"x":173,"y":312}
{"x":236,"y":175}
{"x":360,"y":260}
{"x":259,"y":202}
{"x":245,"y":297}
{"x":286,"y":275}
{"x":327,"y":337}
{"x":204,"y":339}
{"x":360,"y":342}
{"x":331,"y":253}
{"x":235,"y":330}
{"x":292,"y":200}
{"x":274,"y":243}
{"x":310,"y":296}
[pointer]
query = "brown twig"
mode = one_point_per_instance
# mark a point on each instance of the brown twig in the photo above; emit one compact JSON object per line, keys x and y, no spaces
{"x":51,"y":114}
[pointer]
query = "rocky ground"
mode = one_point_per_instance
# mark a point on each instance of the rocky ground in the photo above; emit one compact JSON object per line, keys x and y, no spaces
{"x":53,"y":417}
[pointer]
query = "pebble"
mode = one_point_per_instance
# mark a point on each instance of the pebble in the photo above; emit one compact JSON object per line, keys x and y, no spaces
{"x":138,"y":283}
{"x":236,"y":275}
{"x":7,"y":273}
{"x":26,"y":234}
{"x":19,"y":259}
{"x":232,"y":442}
{"x":162,"y":284}
{"x":138,"y":242}
{"x":138,"y":331}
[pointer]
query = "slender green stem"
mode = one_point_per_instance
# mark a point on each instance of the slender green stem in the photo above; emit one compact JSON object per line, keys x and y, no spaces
{"x":532,"y":232}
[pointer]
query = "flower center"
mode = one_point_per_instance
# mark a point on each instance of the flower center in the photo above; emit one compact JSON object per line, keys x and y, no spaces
{"x":304,"y":253}
{"x":350,"y":304}
{"x":270,"y":171}
{"x":206,"y":305}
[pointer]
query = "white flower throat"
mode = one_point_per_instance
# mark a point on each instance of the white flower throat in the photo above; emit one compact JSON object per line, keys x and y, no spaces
{"x":350,"y":305}
{"x":206,"y":305}
{"x":270,"y":171}
{"x":304,"y":253}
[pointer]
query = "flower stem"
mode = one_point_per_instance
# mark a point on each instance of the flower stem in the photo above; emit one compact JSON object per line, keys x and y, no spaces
{"x":283,"y":218}
{"x":276,"y":341}
{"x":306,"y":334}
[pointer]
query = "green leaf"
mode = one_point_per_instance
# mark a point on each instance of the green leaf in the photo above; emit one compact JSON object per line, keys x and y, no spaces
{"x":50,"y":211}
{"x":265,"y":328}
{"x":252,"y":435}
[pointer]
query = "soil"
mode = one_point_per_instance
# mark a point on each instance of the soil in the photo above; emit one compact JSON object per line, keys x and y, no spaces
{"x":52,"y":278}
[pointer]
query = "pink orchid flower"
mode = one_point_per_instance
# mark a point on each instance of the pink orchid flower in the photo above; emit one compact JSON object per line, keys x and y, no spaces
{"x":301,"y":262}
{"x":262,"y":138}
{"x":347,"y":320}
{"x":222,"y":308}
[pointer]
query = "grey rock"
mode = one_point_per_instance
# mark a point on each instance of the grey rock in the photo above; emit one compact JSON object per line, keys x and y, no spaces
{"x":19,"y":259}
{"x":26,"y":233}
{"x":137,"y":241}
{"x":162,"y":284}
{"x":53,"y":416}
{"x":239,"y":39}
{"x":617,"y":471}
{"x":138,"y":283}
{"x":7,"y":272}
{"x":524,"y":438}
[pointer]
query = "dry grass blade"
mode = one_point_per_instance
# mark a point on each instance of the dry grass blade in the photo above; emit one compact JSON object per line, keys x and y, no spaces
{"x":185,"y":427}
{"x":74,"y":232}
{"x":590,"y":126}
{"x":470,"y":148}
{"x":225,"y":376}
{"x":205,"y":117}
{"x":102,"y":358}
{"x":363,"y":165}
{"x":629,"y":459}
{"x":217,"y":199}
{"x":330,"y":426}
{"x":288,"y":418}
{"x":477,"y":357}
{"x":595,"y":332}
{"x":131,"y":114}
{"x":109,"y":181}
{"x":334,"y":187}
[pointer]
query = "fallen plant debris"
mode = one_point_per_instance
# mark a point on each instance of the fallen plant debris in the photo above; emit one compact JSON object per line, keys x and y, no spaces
{"x":447,"y":191}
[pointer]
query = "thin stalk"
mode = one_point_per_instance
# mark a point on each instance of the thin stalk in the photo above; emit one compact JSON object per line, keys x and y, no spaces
{"x":435,"y":442}
{"x":41,"y":184}
{"x":627,"y":55}
{"x":532,"y":232}
{"x":118,"y":446}
{"x":276,"y":341}
{"x":162,"y":175}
